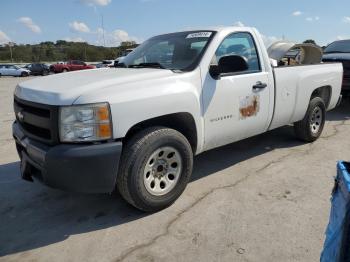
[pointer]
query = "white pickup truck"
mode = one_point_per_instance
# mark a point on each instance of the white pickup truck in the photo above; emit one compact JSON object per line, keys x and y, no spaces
{"x":138,"y":128}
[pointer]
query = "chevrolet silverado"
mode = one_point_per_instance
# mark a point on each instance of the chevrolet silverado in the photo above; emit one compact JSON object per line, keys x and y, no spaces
{"x":138,"y":127}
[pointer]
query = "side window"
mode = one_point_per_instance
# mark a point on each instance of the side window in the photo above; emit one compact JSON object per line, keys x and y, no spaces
{"x":241,"y":44}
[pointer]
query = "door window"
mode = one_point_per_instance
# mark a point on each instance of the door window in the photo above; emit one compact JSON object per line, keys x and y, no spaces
{"x":241,"y":44}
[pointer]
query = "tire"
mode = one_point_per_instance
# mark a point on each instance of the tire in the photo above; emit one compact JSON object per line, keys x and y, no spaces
{"x":23,"y":74}
{"x":310,"y":128}
{"x":64,"y":70}
{"x":45,"y":73}
{"x":170,"y":150}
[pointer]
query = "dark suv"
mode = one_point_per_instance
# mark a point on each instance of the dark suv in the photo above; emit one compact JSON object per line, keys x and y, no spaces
{"x":339,"y":51}
{"x":38,"y":69}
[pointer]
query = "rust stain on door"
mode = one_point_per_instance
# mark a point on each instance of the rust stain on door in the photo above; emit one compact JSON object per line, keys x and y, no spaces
{"x":249,"y":106}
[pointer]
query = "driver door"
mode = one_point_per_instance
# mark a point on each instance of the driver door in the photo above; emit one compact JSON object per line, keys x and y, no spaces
{"x":236,"y":106}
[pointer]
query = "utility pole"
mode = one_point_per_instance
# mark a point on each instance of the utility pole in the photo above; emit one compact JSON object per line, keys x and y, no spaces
{"x":10,"y":45}
{"x":85,"y":44}
{"x":103,"y":30}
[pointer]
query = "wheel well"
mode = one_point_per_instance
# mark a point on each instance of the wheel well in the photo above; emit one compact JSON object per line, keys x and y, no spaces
{"x":181,"y":122}
{"x":323,"y":92}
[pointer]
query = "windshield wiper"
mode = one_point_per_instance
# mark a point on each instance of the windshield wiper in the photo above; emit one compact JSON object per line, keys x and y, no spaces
{"x":147,"y":65}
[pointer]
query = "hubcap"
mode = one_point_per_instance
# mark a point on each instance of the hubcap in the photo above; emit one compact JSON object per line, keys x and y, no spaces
{"x":162,"y":171}
{"x":316,"y":120}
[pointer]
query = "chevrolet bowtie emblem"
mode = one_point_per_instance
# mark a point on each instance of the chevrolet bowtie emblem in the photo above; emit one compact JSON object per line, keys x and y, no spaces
{"x":20,"y":116}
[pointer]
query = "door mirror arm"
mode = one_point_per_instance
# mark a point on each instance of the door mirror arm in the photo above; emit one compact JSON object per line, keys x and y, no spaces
{"x":214,"y":71}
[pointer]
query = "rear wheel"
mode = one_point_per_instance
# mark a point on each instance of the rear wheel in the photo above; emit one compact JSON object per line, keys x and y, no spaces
{"x":310,"y":128}
{"x":156,"y":166}
{"x":23,"y":74}
{"x":64,"y":70}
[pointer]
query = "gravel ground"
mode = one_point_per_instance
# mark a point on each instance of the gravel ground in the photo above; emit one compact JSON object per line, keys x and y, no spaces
{"x":262,"y":199}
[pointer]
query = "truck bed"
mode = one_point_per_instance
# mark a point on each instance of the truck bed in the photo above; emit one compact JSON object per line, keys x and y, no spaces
{"x":294,"y":86}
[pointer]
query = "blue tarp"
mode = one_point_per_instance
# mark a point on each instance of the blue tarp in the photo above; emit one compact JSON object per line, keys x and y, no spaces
{"x":336,"y":246}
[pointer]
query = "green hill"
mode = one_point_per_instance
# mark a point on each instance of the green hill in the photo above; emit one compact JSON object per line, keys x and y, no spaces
{"x":61,"y":51}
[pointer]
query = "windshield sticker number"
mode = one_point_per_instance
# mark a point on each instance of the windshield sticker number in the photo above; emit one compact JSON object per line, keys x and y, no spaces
{"x":199,"y":34}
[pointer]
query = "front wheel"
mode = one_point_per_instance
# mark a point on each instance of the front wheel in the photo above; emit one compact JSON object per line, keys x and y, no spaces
{"x":310,"y":128}
{"x":156,"y":166}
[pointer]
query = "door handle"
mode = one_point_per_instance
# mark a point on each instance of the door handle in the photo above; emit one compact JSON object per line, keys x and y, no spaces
{"x":259,"y":85}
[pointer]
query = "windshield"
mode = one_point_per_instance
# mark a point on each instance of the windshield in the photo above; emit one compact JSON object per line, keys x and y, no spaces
{"x":338,"y":47}
{"x":177,"y":51}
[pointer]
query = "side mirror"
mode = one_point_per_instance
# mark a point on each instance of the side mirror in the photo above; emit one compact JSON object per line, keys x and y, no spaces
{"x":228,"y":65}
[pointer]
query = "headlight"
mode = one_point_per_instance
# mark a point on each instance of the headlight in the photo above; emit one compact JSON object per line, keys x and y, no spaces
{"x":85,"y":123}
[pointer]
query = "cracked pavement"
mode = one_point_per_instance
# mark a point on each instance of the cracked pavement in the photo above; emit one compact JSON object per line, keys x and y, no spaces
{"x":262,"y":199}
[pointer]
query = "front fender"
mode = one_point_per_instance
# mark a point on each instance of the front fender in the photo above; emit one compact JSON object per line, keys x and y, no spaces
{"x":126,"y":115}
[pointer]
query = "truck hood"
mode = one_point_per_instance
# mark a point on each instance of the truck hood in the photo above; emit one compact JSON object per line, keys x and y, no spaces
{"x":65,"y":88}
{"x":337,"y":56}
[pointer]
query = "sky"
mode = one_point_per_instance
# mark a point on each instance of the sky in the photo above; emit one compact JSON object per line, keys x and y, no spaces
{"x":35,"y":21}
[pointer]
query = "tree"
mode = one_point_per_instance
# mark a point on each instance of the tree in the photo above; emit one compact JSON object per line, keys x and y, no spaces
{"x":128,"y":44}
{"x":310,"y":41}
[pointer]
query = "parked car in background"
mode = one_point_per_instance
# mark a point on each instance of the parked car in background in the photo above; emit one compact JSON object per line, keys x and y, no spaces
{"x":72,"y":65}
{"x":13,"y":70}
{"x":38,"y":69}
{"x":121,"y":58}
{"x":339,"y":51}
{"x":105,"y":63}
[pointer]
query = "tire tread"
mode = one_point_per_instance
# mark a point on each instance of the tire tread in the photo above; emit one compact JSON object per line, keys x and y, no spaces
{"x":129,"y":156}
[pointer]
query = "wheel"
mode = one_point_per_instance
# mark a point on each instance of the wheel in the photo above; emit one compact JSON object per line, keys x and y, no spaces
{"x":45,"y":73}
{"x":310,"y":128}
{"x":64,"y":70}
{"x":23,"y":74}
{"x":156,"y":165}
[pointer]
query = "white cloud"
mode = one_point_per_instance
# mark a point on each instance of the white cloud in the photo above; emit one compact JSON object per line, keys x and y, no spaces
{"x":238,"y":23}
{"x":114,"y":38}
{"x":312,"y":19}
{"x":96,"y":2}
{"x":297,"y":13}
{"x":269,"y":40}
{"x":119,"y":36}
{"x":79,"y":27}
{"x":4,"y":38}
{"x":28,"y":22}
{"x":346,"y":19}
{"x":74,"y":39}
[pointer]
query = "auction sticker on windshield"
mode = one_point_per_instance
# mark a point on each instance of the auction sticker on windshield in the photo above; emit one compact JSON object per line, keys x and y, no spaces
{"x":199,"y":34}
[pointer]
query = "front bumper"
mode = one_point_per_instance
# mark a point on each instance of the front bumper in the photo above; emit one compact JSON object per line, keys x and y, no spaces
{"x":72,"y":167}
